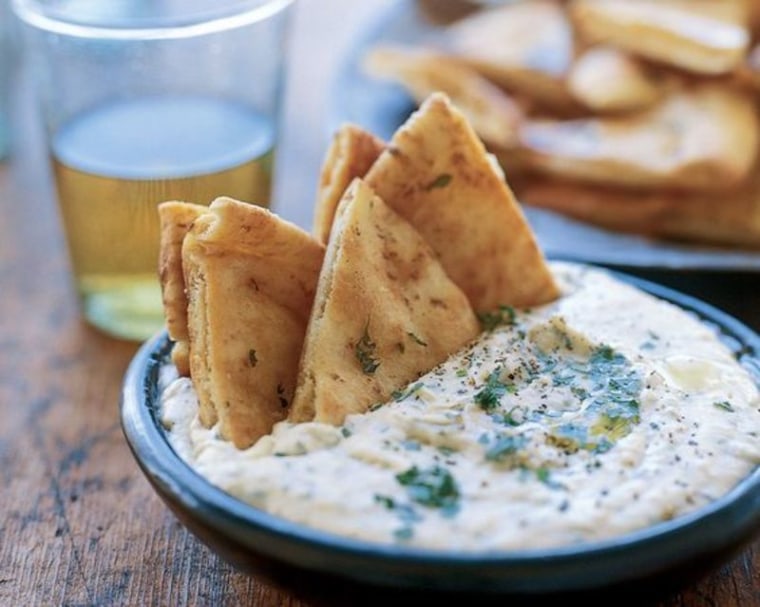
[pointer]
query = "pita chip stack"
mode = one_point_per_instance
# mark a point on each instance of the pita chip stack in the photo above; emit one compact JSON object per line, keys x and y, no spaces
{"x":250,"y":279}
{"x":385,"y":312}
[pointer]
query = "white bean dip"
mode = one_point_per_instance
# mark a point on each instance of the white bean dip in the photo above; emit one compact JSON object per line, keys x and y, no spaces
{"x":601,"y":413}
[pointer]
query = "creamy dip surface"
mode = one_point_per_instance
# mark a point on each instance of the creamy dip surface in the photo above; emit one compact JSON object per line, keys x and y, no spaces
{"x":601,"y":413}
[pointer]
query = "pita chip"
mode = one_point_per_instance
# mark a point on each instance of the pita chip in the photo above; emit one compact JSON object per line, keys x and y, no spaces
{"x":438,"y":176}
{"x":703,"y":136}
{"x":605,"y":79}
{"x":250,"y":280}
{"x":702,"y":36}
{"x":748,"y":75}
{"x":385,"y":312}
{"x":351,"y":153}
{"x":175,"y":219}
{"x":525,"y":47}
{"x":493,"y":114}
{"x":731,"y":218}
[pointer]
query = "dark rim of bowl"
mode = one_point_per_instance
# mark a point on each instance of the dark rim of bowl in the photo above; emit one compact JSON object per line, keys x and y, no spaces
{"x":149,"y":443}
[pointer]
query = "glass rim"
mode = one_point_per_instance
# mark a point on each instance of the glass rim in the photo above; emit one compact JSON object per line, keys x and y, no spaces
{"x":194,"y":24}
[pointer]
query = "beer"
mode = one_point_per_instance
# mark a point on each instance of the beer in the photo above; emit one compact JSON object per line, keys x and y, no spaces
{"x":112,"y":167}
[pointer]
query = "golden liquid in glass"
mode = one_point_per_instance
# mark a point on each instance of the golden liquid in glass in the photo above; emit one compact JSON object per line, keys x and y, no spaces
{"x":114,"y":165}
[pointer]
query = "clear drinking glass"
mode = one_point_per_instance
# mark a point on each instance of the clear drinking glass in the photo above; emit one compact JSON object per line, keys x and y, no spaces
{"x":145,"y":101}
{"x":7,"y":59}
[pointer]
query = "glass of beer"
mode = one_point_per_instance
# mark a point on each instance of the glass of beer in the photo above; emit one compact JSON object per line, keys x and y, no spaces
{"x":7,"y":60}
{"x":146,"y":101}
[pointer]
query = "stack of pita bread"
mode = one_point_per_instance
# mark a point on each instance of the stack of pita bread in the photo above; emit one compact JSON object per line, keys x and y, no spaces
{"x":412,"y":239}
{"x":636,"y":115}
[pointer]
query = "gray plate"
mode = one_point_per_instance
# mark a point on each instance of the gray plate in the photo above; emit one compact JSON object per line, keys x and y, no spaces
{"x":381,"y":108}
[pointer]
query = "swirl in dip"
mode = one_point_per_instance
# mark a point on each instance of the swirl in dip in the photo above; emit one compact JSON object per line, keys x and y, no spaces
{"x":603,"y":412}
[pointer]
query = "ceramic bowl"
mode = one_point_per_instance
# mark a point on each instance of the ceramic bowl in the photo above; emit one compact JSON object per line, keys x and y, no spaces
{"x":320,"y":564}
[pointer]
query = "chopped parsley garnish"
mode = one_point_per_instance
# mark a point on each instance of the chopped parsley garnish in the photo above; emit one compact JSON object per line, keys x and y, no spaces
{"x":398,"y":395}
{"x":725,"y":405}
{"x":571,"y":438}
{"x":505,"y":446}
{"x":433,"y":487}
{"x":565,"y":378}
{"x":488,"y":397}
{"x":609,"y":396}
{"x":509,"y":418}
{"x":543,"y":474}
{"x":615,"y":385}
{"x":386,"y":501}
{"x":613,"y":428}
{"x":405,"y":512}
{"x":603,"y":390}
{"x":365,"y":352}
{"x":505,"y":315}
{"x":579,"y":393}
{"x":441,"y":181}
{"x":346,"y":432}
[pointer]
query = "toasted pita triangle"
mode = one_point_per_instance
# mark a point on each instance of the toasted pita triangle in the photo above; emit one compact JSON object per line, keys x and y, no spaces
{"x":702,"y":36}
{"x":385,"y":313}
{"x":732,"y":220}
{"x":493,"y":114}
{"x":351,"y":153}
{"x":606,"y":79}
{"x":525,"y":47}
{"x":176,"y":219}
{"x":704,"y":136}
{"x":250,"y":280}
{"x":438,"y":176}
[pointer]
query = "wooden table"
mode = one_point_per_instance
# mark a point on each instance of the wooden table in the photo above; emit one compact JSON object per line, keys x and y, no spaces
{"x":80,"y":525}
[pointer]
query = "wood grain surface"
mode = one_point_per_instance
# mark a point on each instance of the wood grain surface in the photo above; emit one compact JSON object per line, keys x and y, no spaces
{"x":79,"y":524}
